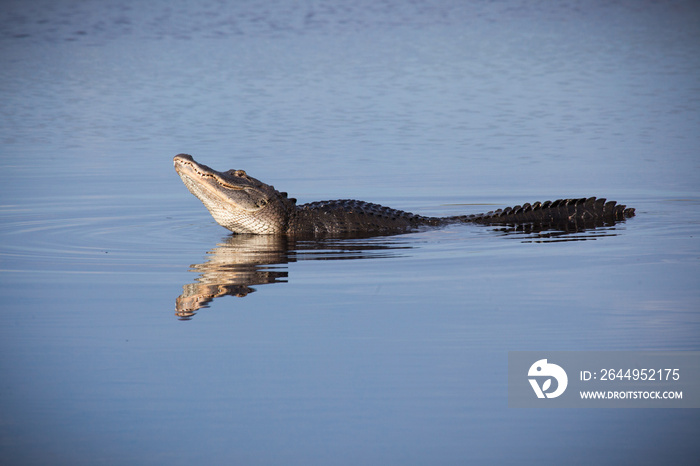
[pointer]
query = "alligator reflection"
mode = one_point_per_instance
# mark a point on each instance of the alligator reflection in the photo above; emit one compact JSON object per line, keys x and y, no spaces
{"x":580,"y":230}
{"x":242,"y":261}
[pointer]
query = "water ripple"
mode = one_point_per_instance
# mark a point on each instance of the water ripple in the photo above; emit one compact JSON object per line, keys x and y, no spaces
{"x":81,"y":235}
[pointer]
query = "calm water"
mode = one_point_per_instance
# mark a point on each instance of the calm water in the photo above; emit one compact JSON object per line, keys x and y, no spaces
{"x":137,"y":331}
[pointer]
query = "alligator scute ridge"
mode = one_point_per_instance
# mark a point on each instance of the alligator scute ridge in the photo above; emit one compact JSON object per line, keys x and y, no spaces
{"x":244,"y":204}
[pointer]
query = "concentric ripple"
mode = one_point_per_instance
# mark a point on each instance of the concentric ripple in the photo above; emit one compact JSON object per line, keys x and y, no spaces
{"x":84,"y":235}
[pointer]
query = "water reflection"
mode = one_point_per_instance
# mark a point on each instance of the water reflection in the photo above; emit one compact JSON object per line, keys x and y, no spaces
{"x":575,"y":230}
{"x":242,"y":261}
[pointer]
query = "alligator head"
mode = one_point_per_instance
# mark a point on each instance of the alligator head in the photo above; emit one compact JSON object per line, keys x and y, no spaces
{"x":237,"y":201}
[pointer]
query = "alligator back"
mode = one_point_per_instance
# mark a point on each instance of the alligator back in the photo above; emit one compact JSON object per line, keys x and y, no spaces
{"x":351,"y":217}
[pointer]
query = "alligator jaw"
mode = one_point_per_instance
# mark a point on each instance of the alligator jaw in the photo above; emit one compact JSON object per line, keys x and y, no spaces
{"x":185,"y":166}
{"x":200,"y":180}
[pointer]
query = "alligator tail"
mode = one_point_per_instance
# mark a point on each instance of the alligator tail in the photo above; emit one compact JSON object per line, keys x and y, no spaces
{"x":562,"y":213}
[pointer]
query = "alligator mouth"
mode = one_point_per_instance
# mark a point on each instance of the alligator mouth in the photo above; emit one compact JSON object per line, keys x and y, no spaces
{"x":185,"y":166}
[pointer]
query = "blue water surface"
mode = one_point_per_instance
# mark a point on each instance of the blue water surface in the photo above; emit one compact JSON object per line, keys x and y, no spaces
{"x":389,"y":350}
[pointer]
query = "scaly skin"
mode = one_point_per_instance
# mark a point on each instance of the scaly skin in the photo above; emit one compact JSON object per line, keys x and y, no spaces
{"x":244,"y":204}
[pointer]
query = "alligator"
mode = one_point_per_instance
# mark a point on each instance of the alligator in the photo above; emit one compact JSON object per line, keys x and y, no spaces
{"x":244,"y":204}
